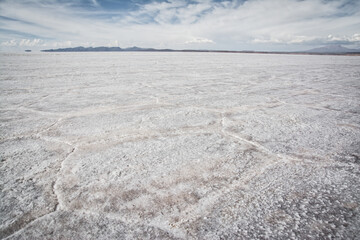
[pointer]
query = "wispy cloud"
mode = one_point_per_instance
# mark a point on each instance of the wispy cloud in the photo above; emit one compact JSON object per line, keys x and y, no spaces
{"x":10,"y":43}
{"x":30,"y":43}
{"x":95,"y":3}
{"x":238,"y":24}
{"x":199,"y":40}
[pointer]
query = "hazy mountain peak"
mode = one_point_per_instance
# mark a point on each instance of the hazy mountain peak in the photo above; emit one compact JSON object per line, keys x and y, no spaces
{"x":332,"y":49}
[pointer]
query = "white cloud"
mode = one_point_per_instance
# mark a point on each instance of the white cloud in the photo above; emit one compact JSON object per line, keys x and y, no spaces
{"x":228,"y":25}
{"x":113,"y":44}
{"x":199,"y":40}
{"x":10,"y":43}
{"x":23,"y":43}
{"x":95,"y":3}
{"x":351,"y":39}
{"x":61,"y":44}
{"x":30,"y":42}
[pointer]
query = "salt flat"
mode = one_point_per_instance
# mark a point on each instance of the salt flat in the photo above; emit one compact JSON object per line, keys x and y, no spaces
{"x":179,"y":146}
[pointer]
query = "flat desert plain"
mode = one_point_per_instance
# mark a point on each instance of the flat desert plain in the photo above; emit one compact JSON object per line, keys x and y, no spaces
{"x":179,"y":146}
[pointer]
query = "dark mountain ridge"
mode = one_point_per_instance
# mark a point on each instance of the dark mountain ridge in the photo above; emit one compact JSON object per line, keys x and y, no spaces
{"x":327,"y":50}
{"x":103,"y":49}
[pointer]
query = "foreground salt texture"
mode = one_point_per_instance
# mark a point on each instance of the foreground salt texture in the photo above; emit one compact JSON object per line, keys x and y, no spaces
{"x":179,"y":146}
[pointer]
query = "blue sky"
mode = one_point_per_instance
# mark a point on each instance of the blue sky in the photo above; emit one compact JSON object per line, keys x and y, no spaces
{"x":179,"y":24}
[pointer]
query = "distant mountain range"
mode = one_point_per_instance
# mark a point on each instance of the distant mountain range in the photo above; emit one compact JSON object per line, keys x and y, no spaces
{"x":107,"y":49}
{"x":331,"y":49}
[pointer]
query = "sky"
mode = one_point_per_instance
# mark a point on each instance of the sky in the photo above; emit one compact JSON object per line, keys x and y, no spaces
{"x":269,"y":25}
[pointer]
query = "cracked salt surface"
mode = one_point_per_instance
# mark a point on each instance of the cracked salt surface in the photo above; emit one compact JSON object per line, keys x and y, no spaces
{"x":179,"y":146}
